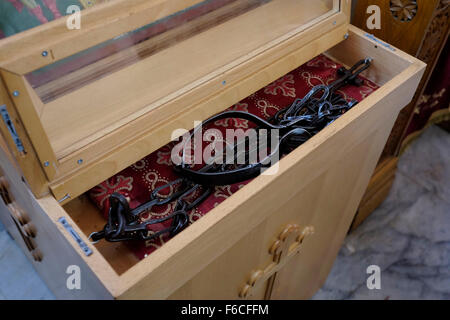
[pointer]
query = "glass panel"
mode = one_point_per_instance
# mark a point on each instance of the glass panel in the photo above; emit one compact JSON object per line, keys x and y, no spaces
{"x":74,"y":72}
{"x":109,"y":85}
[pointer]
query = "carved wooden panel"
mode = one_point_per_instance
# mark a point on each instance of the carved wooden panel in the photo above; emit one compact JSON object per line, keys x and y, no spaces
{"x":420,"y":28}
{"x":429,"y":51}
{"x":403,"y":22}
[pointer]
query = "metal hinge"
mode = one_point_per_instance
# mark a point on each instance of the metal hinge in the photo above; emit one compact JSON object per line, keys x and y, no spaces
{"x":87,"y":251}
{"x":12,"y":130}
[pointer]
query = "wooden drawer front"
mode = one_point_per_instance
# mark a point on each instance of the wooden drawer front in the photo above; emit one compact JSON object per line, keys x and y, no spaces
{"x":247,"y":269}
{"x":226,"y":254}
{"x":308,"y":229}
{"x":336,"y":195}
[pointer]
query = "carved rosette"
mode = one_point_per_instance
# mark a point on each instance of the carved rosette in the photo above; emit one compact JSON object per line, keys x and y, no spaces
{"x":436,"y":33}
{"x":404,"y":10}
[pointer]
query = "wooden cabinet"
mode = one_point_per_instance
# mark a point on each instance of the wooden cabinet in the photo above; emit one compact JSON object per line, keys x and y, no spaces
{"x":275,"y":238}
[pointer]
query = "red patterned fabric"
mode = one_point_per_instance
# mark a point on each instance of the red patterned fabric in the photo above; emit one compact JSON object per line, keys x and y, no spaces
{"x":137,"y":182}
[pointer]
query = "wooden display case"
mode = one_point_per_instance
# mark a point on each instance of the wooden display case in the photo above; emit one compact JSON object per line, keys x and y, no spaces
{"x":87,"y":103}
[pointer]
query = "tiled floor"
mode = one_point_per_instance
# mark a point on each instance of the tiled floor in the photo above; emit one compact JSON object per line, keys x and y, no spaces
{"x":408,"y":237}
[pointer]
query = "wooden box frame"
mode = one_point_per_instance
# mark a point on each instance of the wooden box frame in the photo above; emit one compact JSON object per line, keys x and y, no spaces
{"x":275,"y":238}
{"x":82,"y":167}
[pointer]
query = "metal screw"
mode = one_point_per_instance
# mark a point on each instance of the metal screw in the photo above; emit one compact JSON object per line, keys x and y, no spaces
{"x":44,"y":53}
{"x":346,"y":36}
{"x":16,"y":93}
{"x":80,"y":161}
{"x":67,"y":196}
{"x":46,"y":164}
